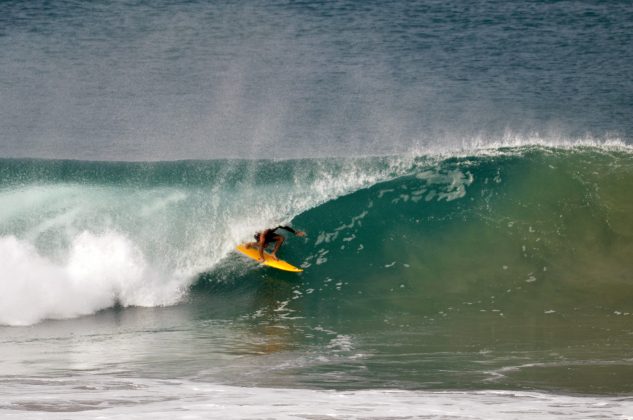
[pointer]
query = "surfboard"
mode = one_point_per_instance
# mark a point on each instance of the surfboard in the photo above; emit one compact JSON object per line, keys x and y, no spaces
{"x":268,"y":259}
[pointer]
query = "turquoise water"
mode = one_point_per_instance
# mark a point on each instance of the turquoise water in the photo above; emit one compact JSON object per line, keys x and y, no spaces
{"x":463,"y":171}
{"x":505,"y":270}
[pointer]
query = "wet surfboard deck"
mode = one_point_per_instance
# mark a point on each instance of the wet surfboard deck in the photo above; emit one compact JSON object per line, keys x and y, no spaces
{"x":268,"y":259}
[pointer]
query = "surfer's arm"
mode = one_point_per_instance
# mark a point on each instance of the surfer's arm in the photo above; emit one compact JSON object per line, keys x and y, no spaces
{"x":291,"y":230}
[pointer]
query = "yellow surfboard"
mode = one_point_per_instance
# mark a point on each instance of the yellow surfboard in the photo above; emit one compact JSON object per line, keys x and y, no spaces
{"x":268,"y":259}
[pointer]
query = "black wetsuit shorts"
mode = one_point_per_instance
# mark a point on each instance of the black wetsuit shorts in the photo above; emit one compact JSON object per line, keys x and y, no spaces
{"x":270,"y":235}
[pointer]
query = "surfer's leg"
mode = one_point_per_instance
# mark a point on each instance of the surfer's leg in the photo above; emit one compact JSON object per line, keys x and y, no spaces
{"x":255,"y":244}
{"x":278,"y":241}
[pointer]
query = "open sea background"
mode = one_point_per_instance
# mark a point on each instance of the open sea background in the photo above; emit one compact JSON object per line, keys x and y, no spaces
{"x":464,"y":171}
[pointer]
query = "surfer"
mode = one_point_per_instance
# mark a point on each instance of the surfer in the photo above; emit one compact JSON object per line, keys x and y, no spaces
{"x":268,"y":236}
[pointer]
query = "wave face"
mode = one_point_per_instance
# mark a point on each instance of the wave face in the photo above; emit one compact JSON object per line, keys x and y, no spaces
{"x":509,"y":232}
{"x":77,"y":237}
{"x":521,"y":231}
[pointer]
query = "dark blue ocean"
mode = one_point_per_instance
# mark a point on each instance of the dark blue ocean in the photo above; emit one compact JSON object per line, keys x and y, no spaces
{"x":164,"y":80}
{"x":463,"y":170}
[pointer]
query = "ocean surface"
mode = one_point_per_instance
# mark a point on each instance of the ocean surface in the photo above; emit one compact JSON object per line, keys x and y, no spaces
{"x":464,"y":173}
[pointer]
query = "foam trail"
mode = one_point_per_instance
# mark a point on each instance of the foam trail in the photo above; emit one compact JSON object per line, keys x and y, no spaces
{"x":133,"y":398}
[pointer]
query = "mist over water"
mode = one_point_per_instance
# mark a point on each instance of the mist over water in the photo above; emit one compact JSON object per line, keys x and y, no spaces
{"x":176,"y":80}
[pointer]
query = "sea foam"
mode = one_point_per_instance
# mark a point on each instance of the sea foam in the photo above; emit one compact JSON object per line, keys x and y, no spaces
{"x":99,"y":271}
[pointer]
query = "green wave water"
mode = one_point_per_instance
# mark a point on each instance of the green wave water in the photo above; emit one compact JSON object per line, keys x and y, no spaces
{"x":500,"y":271}
{"x":509,"y":268}
{"x":142,"y":232}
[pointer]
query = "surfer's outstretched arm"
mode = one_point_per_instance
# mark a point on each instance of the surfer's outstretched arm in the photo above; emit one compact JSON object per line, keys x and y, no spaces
{"x":291,"y":230}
